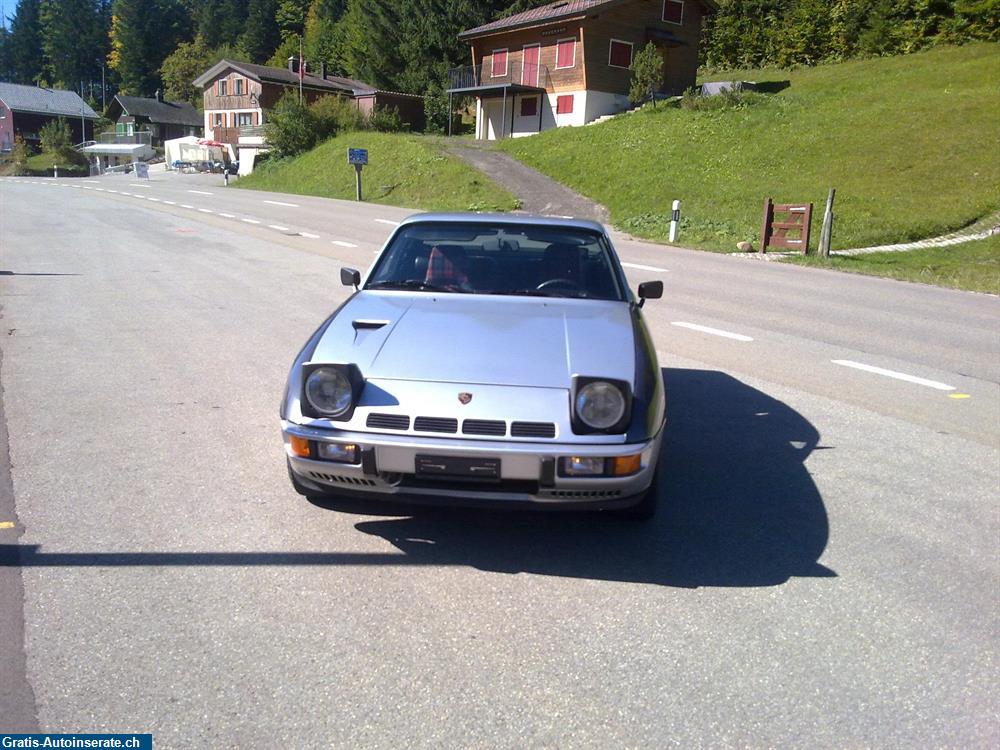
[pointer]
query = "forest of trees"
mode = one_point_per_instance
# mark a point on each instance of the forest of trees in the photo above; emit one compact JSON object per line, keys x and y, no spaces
{"x":408,"y":45}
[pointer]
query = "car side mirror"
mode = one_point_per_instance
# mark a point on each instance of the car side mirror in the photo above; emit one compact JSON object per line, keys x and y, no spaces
{"x":650,"y":290}
{"x":352,"y":277}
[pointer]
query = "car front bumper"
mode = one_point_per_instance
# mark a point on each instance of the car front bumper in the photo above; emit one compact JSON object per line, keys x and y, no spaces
{"x":528,"y":470}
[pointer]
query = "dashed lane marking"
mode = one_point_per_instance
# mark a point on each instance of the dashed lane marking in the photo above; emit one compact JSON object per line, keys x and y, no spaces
{"x":200,"y":192}
{"x":388,"y":221}
{"x":6,"y":524}
{"x":893,"y":374}
{"x":278,"y":227}
{"x":206,"y":210}
{"x":170,"y":203}
{"x":712,"y":331}
{"x":282,"y":203}
{"x":227,"y":216}
{"x":310,"y":236}
{"x":959,"y":395}
{"x":646,"y":268}
{"x":185,"y":205}
{"x":155,"y":200}
{"x":250,"y":221}
{"x":341,"y":243}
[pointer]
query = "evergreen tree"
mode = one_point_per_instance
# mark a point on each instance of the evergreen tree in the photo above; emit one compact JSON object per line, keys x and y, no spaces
{"x":143,"y":33}
{"x":72,"y":40}
{"x":260,"y":35}
{"x":291,"y":17}
{"x":26,"y":43}
{"x":221,"y":21}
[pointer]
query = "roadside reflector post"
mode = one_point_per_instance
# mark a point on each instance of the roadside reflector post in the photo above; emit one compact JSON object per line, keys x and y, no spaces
{"x":55,"y":170}
{"x":359,"y":158}
{"x":675,"y":217}
{"x":826,"y":234}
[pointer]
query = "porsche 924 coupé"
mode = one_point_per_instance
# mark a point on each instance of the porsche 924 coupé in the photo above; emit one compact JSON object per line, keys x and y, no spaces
{"x":483,"y":360}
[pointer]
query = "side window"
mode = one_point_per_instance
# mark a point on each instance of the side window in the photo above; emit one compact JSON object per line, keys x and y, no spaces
{"x":673,"y":11}
{"x":223,"y":88}
{"x":499,"y":68}
{"x":566,"y":53}
{"x":564,"y":104}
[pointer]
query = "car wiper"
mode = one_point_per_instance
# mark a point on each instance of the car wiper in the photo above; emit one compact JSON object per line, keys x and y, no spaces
{"x":536,"y":293}
{"x":409,"y":284}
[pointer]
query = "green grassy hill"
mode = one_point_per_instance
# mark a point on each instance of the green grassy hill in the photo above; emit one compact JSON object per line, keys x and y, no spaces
{"x":911,"y":143}
{"x":403,"y":170}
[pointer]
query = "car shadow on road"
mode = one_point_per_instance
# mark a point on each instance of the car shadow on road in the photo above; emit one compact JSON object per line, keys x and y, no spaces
{"x":737,"y":506}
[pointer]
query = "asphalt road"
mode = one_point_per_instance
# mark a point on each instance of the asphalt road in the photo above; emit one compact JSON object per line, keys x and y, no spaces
{"x":823,"y":573}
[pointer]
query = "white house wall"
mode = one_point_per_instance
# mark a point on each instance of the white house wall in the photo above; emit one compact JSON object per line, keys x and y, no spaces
{"x":587,"y":107}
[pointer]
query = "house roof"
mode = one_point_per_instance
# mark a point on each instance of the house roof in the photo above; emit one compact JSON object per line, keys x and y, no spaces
{"x":168,"y":113}
{"x":285,"y":77}
{"x":551,"y":13}
{"x":41,"y":101}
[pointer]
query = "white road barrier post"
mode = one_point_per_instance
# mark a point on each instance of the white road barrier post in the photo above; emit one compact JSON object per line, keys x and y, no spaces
{"x":55,"y":170}
{"x":675,"y":217}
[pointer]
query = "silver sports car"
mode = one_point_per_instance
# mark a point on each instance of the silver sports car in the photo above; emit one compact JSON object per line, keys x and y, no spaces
{"x":483,"y":360}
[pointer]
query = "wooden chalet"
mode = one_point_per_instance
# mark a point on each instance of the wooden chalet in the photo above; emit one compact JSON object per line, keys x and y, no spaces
{"x":567,"y":63}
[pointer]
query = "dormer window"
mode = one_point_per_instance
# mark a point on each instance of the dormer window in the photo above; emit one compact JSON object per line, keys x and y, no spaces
{"x":238,"y":87}
{"x":673,"y":11}
{"x":223,"y":88}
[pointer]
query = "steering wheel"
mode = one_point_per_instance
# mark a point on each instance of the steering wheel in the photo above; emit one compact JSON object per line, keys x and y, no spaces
{"x":564,"y":283}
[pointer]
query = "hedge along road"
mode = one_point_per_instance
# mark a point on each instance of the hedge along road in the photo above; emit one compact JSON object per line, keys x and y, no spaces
{"x":817,"y":576}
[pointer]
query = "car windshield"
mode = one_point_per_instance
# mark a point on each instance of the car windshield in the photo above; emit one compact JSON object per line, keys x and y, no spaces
{"x":511,"y":259}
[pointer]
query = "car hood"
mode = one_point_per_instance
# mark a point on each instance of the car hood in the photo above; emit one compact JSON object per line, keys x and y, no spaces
{"x":461,"y":338}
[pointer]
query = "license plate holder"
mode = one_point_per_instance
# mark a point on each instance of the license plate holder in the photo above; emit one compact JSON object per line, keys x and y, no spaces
{"x":458,"y":467}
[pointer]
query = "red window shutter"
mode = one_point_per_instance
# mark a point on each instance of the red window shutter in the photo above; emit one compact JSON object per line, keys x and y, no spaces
{"x":621,"y":54}
{"x":255,"y":118}
{"x":673,"y":11}
{"x":499,"y":63}
{"x":566,"y":53}
{"x":529,"y":106}
{"x":564,"y":104}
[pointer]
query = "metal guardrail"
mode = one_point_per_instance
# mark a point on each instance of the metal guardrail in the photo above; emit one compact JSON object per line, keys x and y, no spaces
{"x":476,"y":76}
{"x":143,"y":137}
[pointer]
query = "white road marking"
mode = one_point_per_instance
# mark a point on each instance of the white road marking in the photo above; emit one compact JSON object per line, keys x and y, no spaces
{"x":228,"y":216}
{"x":278,"y":227}
{"x":282,"y":203}
{"x":388,"y":221}
{"x":206,"y":210}
{"x":713,"y":331}
{"x":344,"y":244}
{"x":310,"y":236}
{"x":124,"y":193}
{"x":185,"y":205}
{"x":200,"y":192}
{"x":142,"y":185}
{"x":170,"y":203}
{"x":646,"y":268}
{"x":91,"y":182}
{"x":99,"y":190}
{"x":151,"y":198}
{"x":112,"y":191}
{"x":893,"y":374}
{"x":250,"y":221}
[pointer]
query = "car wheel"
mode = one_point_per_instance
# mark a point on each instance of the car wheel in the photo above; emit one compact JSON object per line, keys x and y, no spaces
{"x":645,"y":509}
{"x":306,"y":492}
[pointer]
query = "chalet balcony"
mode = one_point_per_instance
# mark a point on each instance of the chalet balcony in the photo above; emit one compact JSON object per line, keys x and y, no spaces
{"x":480,"y":80}
{"x":141,"y":137}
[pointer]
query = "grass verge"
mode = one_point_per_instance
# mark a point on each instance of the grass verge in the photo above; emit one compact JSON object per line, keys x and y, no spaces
{"x":403,"y":170}
{"x":973,"y":266}
{"x":911,"y":143}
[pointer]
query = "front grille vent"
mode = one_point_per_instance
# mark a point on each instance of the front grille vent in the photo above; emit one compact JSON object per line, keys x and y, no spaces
{"x":582,"y":493}
{"x":484,"y":427}
{"x":334,"y":479}
{"x":533,"y":429}
{"x":389,"y":421}
{"x":435,"y":424}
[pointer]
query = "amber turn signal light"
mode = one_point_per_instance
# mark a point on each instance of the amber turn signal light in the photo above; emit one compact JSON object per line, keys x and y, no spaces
{"x":625,"y":465}
{"x":299,"y":445}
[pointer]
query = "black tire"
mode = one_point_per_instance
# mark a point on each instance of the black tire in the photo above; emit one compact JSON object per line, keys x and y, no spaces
{"x":645,"y":509}
{"x":306,"y":492}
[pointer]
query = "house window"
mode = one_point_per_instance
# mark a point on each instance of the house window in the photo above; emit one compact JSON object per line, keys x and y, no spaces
{"x":217,"y":120}
{"x":620,"y":55}
{"x":564,"y":104}
{"x":529,"y":106}
{"x":565,"y":53}
{"x":245,"y":118}
{"x":673,"y":11}
{"x":238,"y":87}
{"x":222,"y":87}
{"x":499,"y":68}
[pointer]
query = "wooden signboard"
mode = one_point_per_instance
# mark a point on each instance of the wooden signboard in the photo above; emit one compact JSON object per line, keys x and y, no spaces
{"x":794,"y":218}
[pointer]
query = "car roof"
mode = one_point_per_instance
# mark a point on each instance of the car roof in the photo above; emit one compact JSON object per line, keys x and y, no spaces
{"x":508,"y":219}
